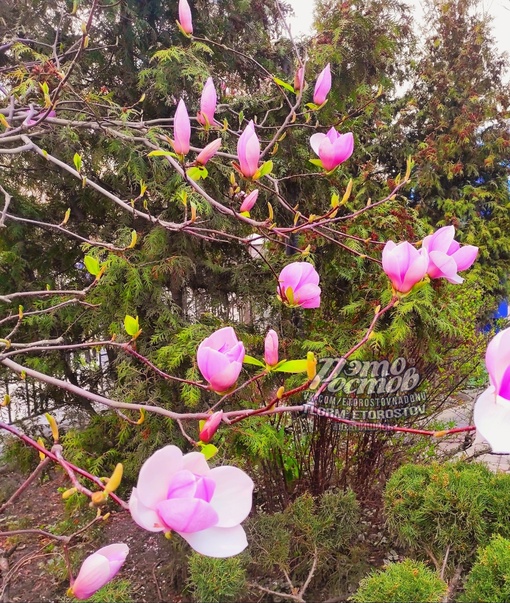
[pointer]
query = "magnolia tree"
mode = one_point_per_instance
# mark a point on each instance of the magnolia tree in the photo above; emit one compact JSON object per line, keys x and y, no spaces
{"x":179,"y":492}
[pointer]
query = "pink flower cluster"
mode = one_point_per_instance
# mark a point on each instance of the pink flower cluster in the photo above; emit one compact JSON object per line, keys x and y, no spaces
{"x":440,"y":257}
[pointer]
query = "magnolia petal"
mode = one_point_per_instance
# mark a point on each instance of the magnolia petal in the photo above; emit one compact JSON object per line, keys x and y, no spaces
{"x":196,"y":463}
{"x":205,"y":488}
{"x":225,"y":379}
{"x":146,"y":518}
{"x":218,"y":542}
{"x":441,"y":239}
{"x":327,"y":155}
{"x":186,"y":515}
{"x":211,"y":362}
{"x":316,"y":141}
{"x":222,"y":339}
{"x":344,"y":147}
{"x":465,"y":257}
{"x":504,"y":387}
{"x":442,"y":265}
{"x":308,"y":296}
{"x":182,"y":485}
{"x":233,"y":496}
{"x":492,"y":420}
{"x":497,"y":357}
{"x":416,"y":271}
{"x":156,"y":474}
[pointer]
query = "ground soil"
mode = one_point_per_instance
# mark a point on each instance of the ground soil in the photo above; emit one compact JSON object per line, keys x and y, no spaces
{"x":36,"y":567}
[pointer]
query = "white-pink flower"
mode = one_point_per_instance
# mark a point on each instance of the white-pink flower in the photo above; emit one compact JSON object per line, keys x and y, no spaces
{"x":492,"y":408}
{"x":180,"y":493}
{"x":332,"y":148}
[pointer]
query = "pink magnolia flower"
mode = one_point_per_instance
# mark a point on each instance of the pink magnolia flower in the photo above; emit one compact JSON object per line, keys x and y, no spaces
{"x":298,"y":285}
{"x":332,"y":148}
{"x":220,"y":359}
{"x":98,"y":569}
{"x":299,"y":79}
{"x":208,"y":152}
{"x":492,"y":408}
{"x":271,"y":348}
{"x":322,"y":86}
{"x":207,"y":104}
{"x":205,"y":506}
{"x":446,"y":256}
{"x":404,"y":265}
{"x":185,"y":20}
{"x":249,"y":201}
{"x":210,"y":426}
{"x":182,"y":129}
{"x":248,"y":151}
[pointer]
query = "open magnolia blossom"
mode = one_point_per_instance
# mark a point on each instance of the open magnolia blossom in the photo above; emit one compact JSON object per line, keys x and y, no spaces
{"x":332,"y":148}
{"x":492,"y":408}
{"x":220,"y":359}
{"x":98,"y":569}
{"x":404,"y":265}
{"x":446,"y":256}
{"x":180,"y":493}
{"x":298,"y":285}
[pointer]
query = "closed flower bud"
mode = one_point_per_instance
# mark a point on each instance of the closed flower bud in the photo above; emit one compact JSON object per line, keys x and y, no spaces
{"x":210,"y":426}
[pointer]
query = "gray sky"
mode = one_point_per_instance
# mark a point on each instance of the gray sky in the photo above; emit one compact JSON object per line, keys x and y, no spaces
{"x":498,"y":9}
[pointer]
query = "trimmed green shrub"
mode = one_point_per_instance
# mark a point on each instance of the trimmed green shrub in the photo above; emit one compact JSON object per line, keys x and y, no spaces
{"x":489,"y":579}
{"x":216,"y":580}
{"x":401,"y":582}
{"x":452,"y":507}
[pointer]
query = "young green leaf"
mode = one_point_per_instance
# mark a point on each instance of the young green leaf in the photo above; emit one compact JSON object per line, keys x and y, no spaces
{"x":131,"y":325}
{"x":292,"y":366}
{"x":77,"y":162}
{"x":92,"y":265}
{"x":254,"y":361}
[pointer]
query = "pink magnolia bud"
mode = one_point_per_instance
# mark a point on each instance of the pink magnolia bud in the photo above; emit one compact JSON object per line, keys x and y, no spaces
{"x":322,"y":86}
{"x":98,"y":569}
{"x":181,"y":493}
{"x":182,"y":129}
{"x":249,"y":201}
{"x":298,"y":285}
{"x":207,"y":104}
{"x":332,"y":148}
{"x":299,"y":79}
{"x":492,"y":408}
{"x":248,"y":151}
{"x":271,"y":348}
{"x":404,"y":265}
{"x":208,"y":152}
{"x":185,"y":20}
{"x":446,"y":256}
{"x":220,"y":359}
{"x":210,"y":427}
